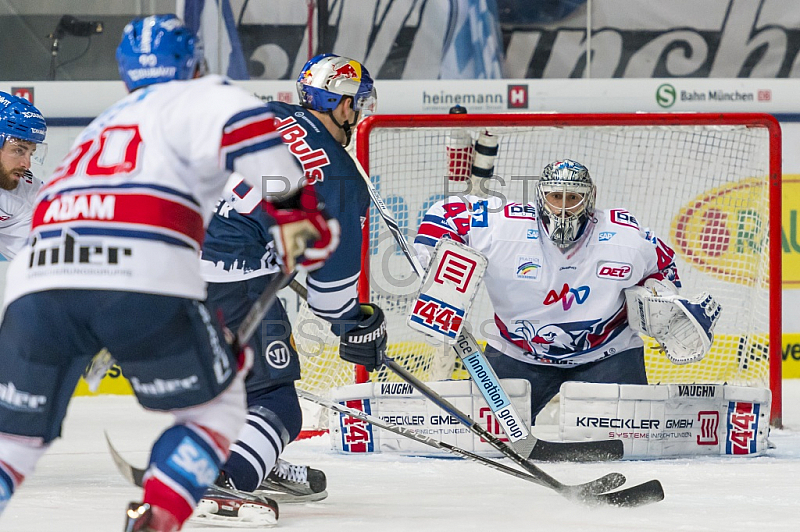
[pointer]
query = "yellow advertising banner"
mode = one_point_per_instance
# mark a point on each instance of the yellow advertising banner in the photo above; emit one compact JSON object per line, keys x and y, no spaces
{"x":791,"y":356}
{"x":790,"y":232}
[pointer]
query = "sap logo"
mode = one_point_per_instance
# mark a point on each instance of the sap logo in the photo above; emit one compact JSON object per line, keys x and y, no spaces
{"x":568,"y":296}
{"x":164,"y":387}
{"x":618,"y":271}
{"x":278,"y":354}
{"x":533,"y":234}
{"x":193,"y":463}
{"x":357,"y":433}
{"x":294,"y":136}
{"x":394,"y":388}
{"x":66,"y":250}
{"x":515,"y":210}
{"x":605,"y":236}
{"x":528,"y":268}
{"x":83,"y":206}
{"x":18,"y":400}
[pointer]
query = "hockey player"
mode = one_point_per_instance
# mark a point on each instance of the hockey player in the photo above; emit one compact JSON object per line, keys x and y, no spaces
{"x":112,"y":262}
{"x":557,"y":271}
{"x":239,"y":260}
{"x":22,"y":133}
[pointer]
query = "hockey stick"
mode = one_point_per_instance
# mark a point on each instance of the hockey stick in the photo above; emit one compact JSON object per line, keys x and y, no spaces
{"x":606,"y":483}
{"x":638,"y":495}
{"x":468,"y":350}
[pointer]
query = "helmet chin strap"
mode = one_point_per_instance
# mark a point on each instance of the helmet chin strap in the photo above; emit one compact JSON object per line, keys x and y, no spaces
{"x":347,"y":127}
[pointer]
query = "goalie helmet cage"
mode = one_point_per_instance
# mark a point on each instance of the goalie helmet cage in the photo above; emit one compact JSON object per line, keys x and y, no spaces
{"x":708,"y":184}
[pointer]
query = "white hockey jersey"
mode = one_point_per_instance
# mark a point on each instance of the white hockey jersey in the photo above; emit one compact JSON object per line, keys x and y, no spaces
{"x":16,"y":208}
{"x":128,"y":206}
{"x":551,"y":307}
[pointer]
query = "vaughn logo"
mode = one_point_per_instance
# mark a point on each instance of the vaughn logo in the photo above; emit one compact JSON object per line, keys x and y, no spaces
{"x":14,"y":399}
{"x":695,"y":390}
{"x":394,"y":388}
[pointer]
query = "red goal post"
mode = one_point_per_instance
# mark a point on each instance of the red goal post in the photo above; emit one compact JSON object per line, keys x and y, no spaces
{"x":708,"y":184}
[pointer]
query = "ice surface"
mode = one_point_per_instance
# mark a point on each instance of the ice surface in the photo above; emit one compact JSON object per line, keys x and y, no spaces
{"x":76,"y":487}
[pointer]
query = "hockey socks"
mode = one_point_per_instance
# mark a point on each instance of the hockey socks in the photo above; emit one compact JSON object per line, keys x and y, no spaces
{"x":184,"y":462}
{"x":253,"y":456}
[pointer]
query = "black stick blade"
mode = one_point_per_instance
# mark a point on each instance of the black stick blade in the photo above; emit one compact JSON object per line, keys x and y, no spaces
{"x":585,"y":451}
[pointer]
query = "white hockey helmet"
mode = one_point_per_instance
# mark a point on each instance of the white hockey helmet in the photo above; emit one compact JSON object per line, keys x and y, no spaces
{"x":565,"y":197}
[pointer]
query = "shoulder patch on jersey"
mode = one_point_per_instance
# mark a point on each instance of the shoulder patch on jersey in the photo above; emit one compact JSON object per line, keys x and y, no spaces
{"x":519,"y":211}
{"x":623,"y":217}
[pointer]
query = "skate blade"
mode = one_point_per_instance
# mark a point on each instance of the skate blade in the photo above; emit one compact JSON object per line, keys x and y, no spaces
{"x":248,"y":516}
{"x":281,"y":497}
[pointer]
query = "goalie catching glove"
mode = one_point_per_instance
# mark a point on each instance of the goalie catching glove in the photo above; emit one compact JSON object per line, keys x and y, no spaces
{"x":304,"y":233}
{"x":365,"y":344}
{"x":683,"y":327}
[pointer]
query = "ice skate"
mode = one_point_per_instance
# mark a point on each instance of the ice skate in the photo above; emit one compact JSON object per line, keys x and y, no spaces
{"x":289,"y":483}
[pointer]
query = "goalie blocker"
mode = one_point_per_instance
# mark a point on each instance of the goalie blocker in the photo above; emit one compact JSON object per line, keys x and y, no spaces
{"x":668,"y":420}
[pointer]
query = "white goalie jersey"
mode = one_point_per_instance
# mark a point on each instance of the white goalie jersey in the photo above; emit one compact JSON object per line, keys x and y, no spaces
{"x":551,"y":307}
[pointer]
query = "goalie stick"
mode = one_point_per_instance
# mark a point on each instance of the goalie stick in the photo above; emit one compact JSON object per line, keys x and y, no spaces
{"x":467,"y":349}
{"x":576,"y":492}
{"x":638,"y":495}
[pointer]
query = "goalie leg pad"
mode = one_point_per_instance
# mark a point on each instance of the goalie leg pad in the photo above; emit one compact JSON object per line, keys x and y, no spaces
{"x":668,"y":420}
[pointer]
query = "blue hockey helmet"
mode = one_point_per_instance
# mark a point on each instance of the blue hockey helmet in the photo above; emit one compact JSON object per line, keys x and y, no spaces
{"x":158,"y":49}
{"x":326,"y":78}
{"x":20,"y":120}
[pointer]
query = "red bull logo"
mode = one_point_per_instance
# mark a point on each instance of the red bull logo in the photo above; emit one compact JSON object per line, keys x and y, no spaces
{"x":349,"y":70}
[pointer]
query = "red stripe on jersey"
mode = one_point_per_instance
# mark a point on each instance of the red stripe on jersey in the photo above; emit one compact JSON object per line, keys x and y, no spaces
{"x":153,"y":212}
{"x":437,"y":231}
{"x":248,"y":131}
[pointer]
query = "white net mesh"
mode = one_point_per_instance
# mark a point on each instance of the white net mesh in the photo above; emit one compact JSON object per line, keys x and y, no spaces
{"x":701,"y":188}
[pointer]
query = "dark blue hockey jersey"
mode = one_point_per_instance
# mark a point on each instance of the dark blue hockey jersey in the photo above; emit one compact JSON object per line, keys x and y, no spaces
{"x":238,"y":244}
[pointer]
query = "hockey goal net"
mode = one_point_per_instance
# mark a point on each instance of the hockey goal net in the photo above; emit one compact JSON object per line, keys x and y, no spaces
{"x":707,"y":184}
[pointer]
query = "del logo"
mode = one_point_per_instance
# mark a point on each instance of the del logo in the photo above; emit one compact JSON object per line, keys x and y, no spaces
{"x":533,"y":234}
{"x":605,"y":236}
{"x":623,"y":217}
{"x":742,"y":428}
{"x":278,"y":354}
{"x":515,"y":210}
{"x":357,"y":434}
{"x":528,"y":267}
{"x":721,"y":229}
{"x":618,"y":271}
{"x":294,"y":136}
{"x":568,"y":296}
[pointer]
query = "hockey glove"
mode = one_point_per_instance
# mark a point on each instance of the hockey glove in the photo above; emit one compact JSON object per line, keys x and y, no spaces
{"x":365,"y":344}
{"x":304,"y":235}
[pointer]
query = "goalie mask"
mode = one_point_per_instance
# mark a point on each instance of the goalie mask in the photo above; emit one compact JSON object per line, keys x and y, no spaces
{"x":565,"y":198}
